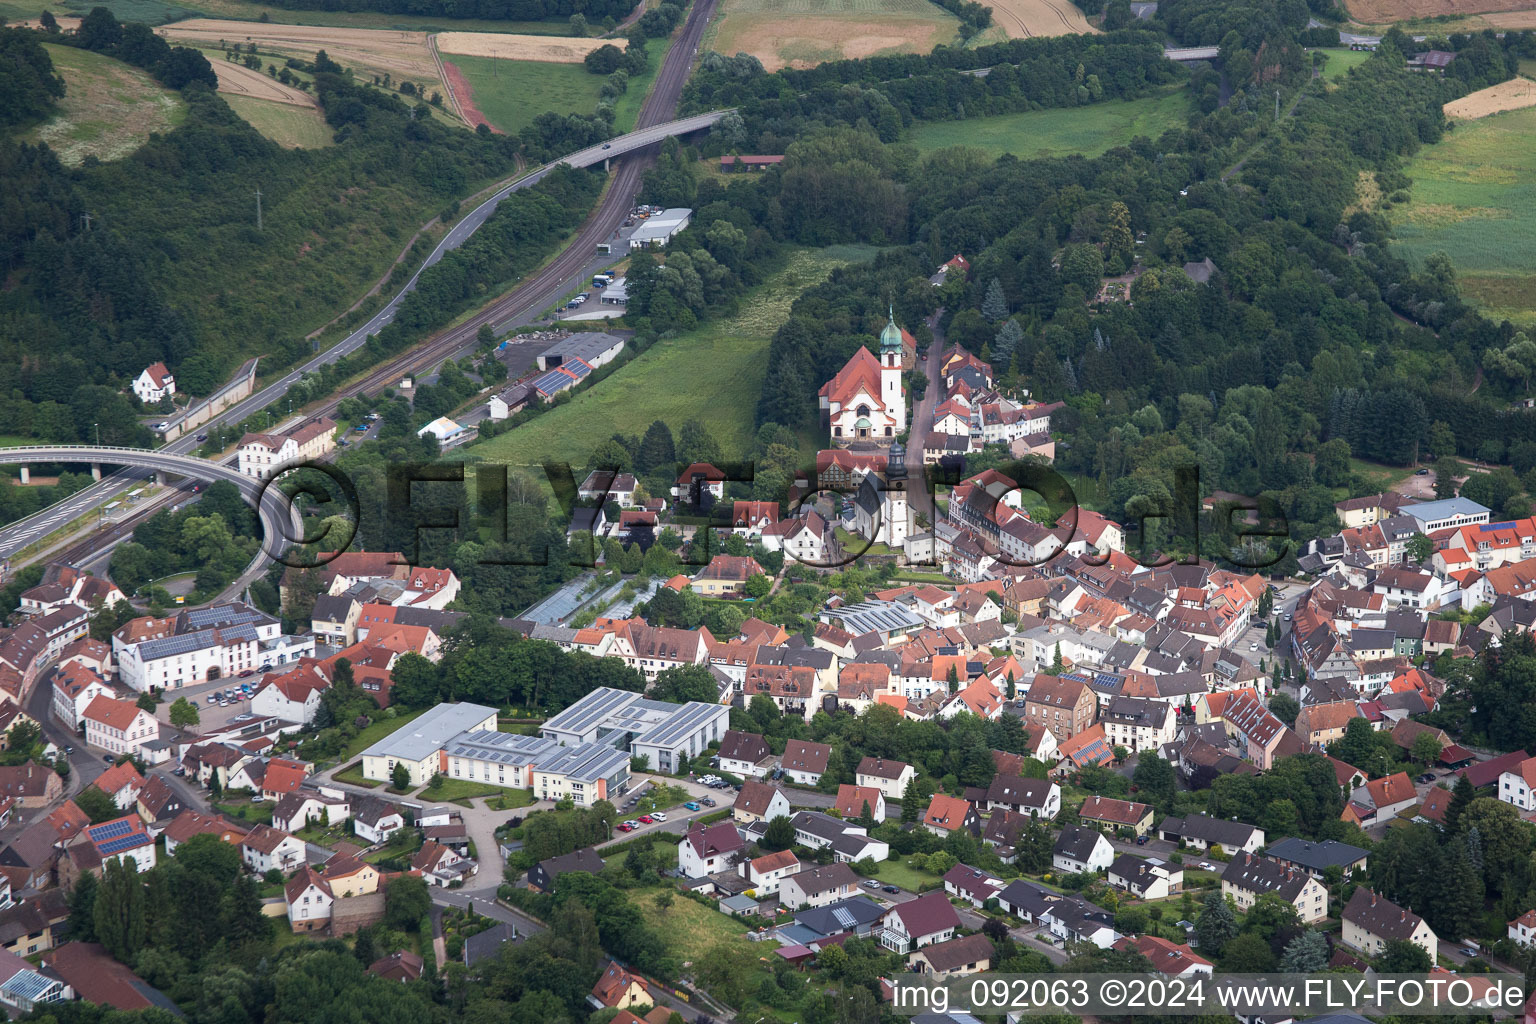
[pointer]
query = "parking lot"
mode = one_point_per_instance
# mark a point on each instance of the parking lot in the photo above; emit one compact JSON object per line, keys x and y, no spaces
{"x":212,"y":716}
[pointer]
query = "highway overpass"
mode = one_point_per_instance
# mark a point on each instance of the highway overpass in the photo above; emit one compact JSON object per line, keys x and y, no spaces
{"x":640,"y":139}
{"x":26,"y":531}
{"x":1192,"y":52}
{"x":279,"y":521}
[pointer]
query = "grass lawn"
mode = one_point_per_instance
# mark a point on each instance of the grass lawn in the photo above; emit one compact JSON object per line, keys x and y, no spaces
{"x":1090,"y":130}
{"x":353,"y":774}
{"x":510,"y":800}
{"x":854,"y":543}
{"x":503,"y":89}
{"x":666,"y":856}
{"x":244,"y":810}
{"x":458,"y":791}
{"x":900,"y":873}
{"x":1341,"y":60}
{"x":286,"y":125}
{"x":1474,"y":197}
{"x":375,"y":732}
{"x":1381,"y":477}
{"x":109,"y":108}
{"x":713,"y":374}
{"x":691,"y":929}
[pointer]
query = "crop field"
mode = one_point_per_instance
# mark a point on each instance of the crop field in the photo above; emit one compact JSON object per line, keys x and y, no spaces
{"x":804,"y":33}
{"x":1021,"y":18}
{"x":404,"y":56}
{"x":1382,"y":12}
{"x":510,"y":93}
{"x":713,"y":374}
{"x":1474,"y":197}
{"x":109,"y":108}
{"x":1032,"y":134}
{"x":239,"y":81}
{"x":1514,"y":94}
{"x":285,"y":124}
{"x":558,"y":49}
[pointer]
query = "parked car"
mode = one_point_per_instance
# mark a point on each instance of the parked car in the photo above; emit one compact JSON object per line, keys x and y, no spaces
{"x":690,"y":805}
{"x":646,"y":819}
{"x":890,"y":888}
{"x":1427,"y":777}
{"x":68,"y":749}
{"x":870,"y":883}
{"x":626,"y":827}
{"x":202,"y":437}
{"x":1207,"y":865}
{"x":180,"y":771}
{"x":708,"y":801}
{"x":1141,"y":840}
{"x":107,"y":758}
{"x":258,"y":798}
{"x":1421,"y":472}
{"x":247,"y":672}
{"x":658,"y":816}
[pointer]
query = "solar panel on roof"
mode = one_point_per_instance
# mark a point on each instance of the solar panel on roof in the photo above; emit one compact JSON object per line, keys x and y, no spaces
{"x":111,"y":830}
{"x":117,"y":846}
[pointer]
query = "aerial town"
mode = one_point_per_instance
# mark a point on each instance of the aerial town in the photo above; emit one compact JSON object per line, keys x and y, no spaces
{"x":713,"y":511}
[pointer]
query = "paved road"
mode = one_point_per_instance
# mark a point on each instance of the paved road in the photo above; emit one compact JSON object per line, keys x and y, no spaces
{"x":529,"y":298}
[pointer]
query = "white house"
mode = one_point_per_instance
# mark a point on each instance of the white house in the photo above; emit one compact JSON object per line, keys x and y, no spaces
{"x":889,"y":777}
{"x":293,"y":696}
{"x":805,"y":762}
{"x":445,"y":430}
{"x":267,"y":848}
{"x":264,"y":455}
{"x":74,"y":687}
{"x":818,"y":886}
{"x":154,"y":383}
{"x":309,"y":900}
{"x":744,"y":754}
{"x":1149,"y":879}
{"x":759,"y":801}
{"x":917,"y":923}
{"x":125,"y":839}
{"x":118,"y":726}
{"x":706,"y":850}
{"x":768,"y":872}
{"x":376,"y":820}
{"x":1518,"y":787}
{"x":1080,"y":849}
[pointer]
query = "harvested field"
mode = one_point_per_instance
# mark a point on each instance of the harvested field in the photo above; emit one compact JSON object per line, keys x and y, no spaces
{"x":1020,"y":18}
{"x":239,"y":80}
{"x":802,"y":33}
{"x":1524,"y":18}
{"x":556,"y":49}
{"x":1382,"y":12}
{"x":1511,"y":95}
{"x":404,"y":56}
{"x":109,"y":108}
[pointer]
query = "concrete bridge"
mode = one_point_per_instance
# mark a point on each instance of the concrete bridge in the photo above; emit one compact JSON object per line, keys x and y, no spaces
{"x":279,"y":521}
{"x":1192,"y":52}
{"x":640,"y":139}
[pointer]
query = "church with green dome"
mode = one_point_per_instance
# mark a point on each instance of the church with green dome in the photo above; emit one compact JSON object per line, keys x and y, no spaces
{"x":866,"y":403}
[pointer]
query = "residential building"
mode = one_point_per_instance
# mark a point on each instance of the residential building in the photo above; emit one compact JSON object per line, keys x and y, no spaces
{"x":124,"y":839}
{"x":1117,"y":814}
{"x":309,"y":900}
{"x":759,"y":801}
{"x":1371,"y":921}
{"x":74,"y":687}
{"x":744,"y":754}
{"x":1201,"y":832}
{"x":706,"y":849}
{"x":23,"y":988}
{"x":1038,"y":798}
{"x":92,"y":975}
{"x":804,"y":761}
{"x":1062,"y":706}
{"x":265,"y":455}
{"x":619,"y":988}
{"x":121,"y":782}
{"x":1138,"y":723}
{"x":665,"y":734}
{"x":1080,"y":849}
{"x":376,"y":819}
{"x":267,"y":848}
{"x":154,"y":383}
{"x":1317,"y":857}
{"x":889,"y":777}
{"x":767,"y":873}
{"x":1146,"y":878}
{"x":118,"y":726}
{"x":725,"y":576}
{"x":854,"y":801}
{"x":818,"y":886}
{"x":947,"y":814}
{"x":30,"y":785}
{"x":1247,"y":877}
{"x":971,"y":884}
{"x":929,"y":919}
{"x":543,"y":874}
{"x":1518,"y":785}
{"x":956,"y":958}
{"x":1173,"y":959}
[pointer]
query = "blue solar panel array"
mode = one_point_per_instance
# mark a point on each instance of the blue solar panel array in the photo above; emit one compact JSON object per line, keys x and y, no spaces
{"x":553,"y":382}
{"x":111,"y":830}
{"x":128,"y":842}
{"x":1490,"y":527}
